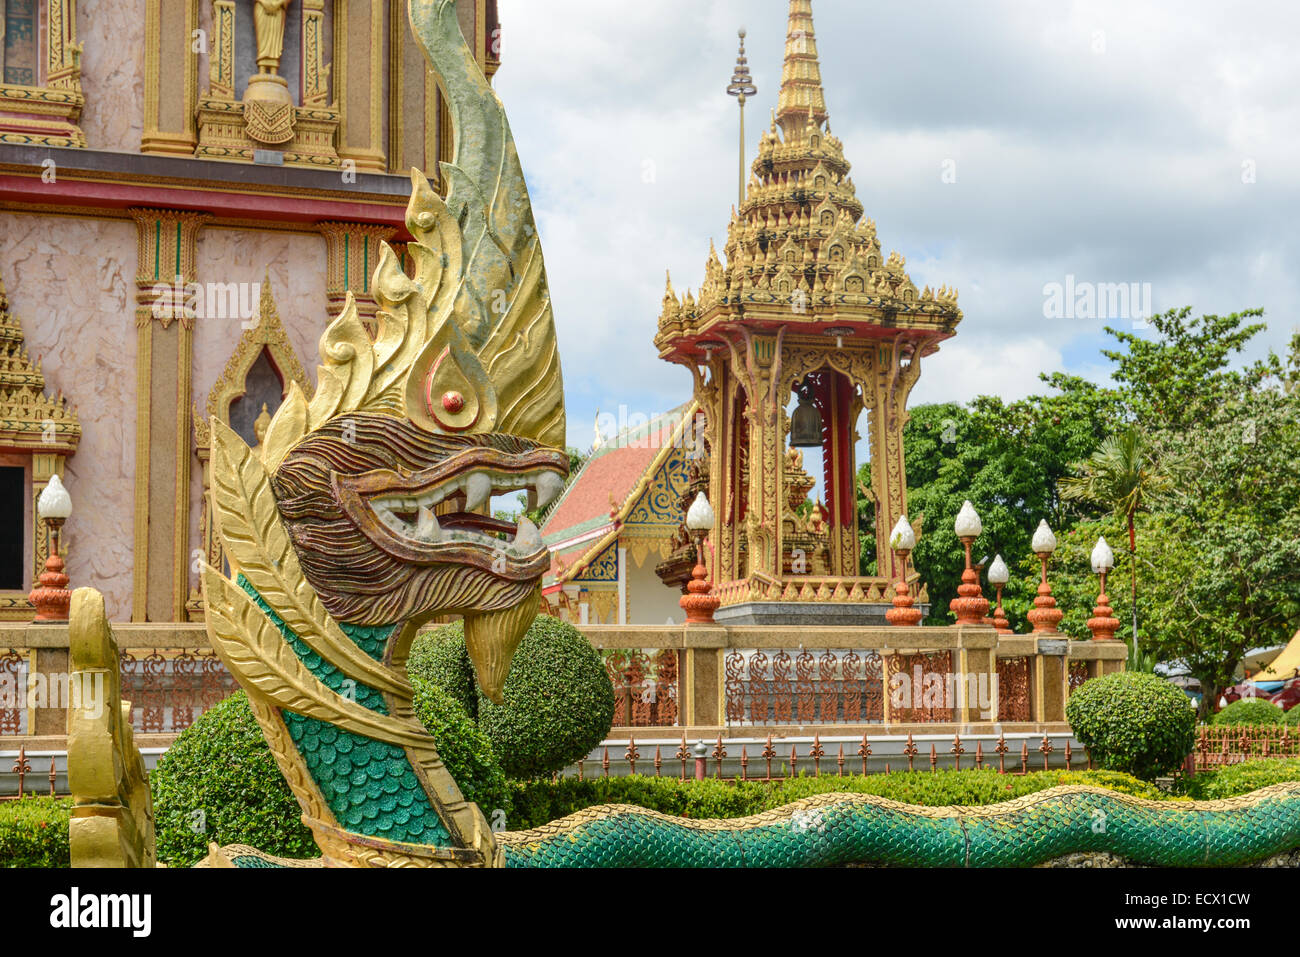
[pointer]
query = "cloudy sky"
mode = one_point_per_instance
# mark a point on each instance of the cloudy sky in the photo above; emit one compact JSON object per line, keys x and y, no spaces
{"x":1112,"y":142}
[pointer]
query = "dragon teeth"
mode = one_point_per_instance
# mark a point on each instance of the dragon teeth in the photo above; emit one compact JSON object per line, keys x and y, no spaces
{"x":527,"y":537}
{"x":427,"y":529}
{"x":478,"y":489}
{"x":549,"y":486}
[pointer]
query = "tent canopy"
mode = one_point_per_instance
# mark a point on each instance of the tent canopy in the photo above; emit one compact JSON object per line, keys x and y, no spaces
{"x":1285,"y":665}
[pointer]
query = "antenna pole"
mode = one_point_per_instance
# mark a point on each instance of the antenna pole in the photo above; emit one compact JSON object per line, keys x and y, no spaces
{"x":742,"y":87}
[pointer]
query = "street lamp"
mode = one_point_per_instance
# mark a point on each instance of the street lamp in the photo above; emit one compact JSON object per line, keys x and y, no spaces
{"x":1045,"y":615}
{"x":1103,"y":622}
{"x":902,"y":540}
{"x":51,"y":596}
{"x":970,"y":606}
{"x":999,"y":575}
{"x":698,"y":603}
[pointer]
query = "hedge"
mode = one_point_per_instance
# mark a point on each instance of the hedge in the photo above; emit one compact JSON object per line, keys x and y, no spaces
{"x":1241,"y":778}
{"x":540,"y":802}
{"x":463,"y":748}
{"x":218,"y":782}
{"x":559,"y":703}
{"x":34,"y":832}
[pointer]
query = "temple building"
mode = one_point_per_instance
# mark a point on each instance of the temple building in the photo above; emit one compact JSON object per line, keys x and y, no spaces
{"x":619,"y":518}
{"x":189,"y":191}
{"x":806,"y":308}
{"x":806,"y":328}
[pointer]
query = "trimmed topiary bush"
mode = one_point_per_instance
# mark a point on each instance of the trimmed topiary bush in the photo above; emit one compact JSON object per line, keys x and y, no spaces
{"x":1132,"y":722}
{"x":218,"y":782}
{"x":462,"y":747}
{"x":1250,"y":711}
{"x":559,"y":700}
{"x":440,"y":659}
{"x":1291,"y":718}
{"x":34,"y":832}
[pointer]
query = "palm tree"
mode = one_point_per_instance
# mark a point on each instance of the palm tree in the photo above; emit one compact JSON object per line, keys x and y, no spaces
{"x":1120,"y":476}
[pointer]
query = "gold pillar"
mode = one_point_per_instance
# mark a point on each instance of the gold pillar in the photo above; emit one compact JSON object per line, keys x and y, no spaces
{"x":896,"y":375}
{"x":165,"y":245}
{"x":359,"y":78}
{"x":759,"y":372}
{"x":171,"y":75}
{"x":315,"y":74}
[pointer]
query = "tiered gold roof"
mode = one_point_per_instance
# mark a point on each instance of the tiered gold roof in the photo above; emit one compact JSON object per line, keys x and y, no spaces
{"x":29,"y":419}
{"x":798,"y":250}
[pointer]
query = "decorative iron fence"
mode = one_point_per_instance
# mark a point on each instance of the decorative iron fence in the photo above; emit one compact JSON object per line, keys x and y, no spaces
{"x":1013,"y":689}
{"x":645,"y":687}
{"x":22,"y":767}
{"x":1220,"y":746}
{"x":168,"y":690}
{"x":14,"y":668}
{"x":1077,"y":675}
{"x":774,"y":762}
{"x":833,"y":687}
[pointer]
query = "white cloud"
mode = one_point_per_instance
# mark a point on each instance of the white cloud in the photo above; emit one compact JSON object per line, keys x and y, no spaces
{"x":1118,"y":165}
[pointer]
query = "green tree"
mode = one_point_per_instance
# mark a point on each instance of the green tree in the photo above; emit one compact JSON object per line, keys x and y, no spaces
{"x":1170,"y":380}
{"x":1121,"y":476}
{"x":1006,"y":458}
{"x":1227,"y":560}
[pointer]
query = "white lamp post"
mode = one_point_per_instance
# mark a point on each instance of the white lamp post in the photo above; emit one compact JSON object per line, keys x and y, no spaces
{"x":51,"y":596}
{"x":698,"y":603}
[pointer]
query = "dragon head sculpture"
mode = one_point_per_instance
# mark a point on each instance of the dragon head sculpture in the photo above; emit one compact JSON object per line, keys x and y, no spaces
{"x":363,"y":507}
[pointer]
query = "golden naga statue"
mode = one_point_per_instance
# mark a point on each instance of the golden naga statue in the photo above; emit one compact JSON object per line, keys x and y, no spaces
{"x":112,"y":813}
{"x":360,"y":515}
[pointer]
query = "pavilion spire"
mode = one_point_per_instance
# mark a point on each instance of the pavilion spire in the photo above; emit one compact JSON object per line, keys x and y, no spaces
{"x":801,"y":77}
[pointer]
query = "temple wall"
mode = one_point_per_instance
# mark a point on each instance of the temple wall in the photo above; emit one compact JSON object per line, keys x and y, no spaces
{"x":112,"y":34}
{"x":70,"y":283}
{"x":649,"y":600}
{"x":295,"y":265}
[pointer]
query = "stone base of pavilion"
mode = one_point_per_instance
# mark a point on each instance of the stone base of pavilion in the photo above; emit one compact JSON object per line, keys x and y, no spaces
{"x":959,"y":692}
{"x":863,"y":614}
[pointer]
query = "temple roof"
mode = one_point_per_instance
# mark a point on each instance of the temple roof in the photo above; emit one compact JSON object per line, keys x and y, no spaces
{"x":799,"y":251}
{"x":588,"y":515}
{"x":801,"y":75}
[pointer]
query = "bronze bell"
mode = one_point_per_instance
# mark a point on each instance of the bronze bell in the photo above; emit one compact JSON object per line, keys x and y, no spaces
{"x":805,"y":423}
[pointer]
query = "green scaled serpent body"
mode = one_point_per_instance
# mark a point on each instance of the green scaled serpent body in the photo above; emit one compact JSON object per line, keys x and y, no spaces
{"x":841,"y":829}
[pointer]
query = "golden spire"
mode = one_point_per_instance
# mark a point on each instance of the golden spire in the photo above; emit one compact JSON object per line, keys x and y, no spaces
{"x":801,"y":77}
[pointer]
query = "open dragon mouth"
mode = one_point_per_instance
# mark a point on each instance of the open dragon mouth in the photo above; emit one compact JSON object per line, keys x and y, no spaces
{"x":400,"y":513}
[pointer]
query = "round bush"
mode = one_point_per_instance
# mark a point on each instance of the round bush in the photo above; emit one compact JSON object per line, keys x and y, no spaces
{"x":1132,"y":722}
{"x":440,"y":659}
{"x":463,"y":748}
{"x":1291,"y":718}
{"x":218,"y":782}
{"x":1250,"y":711}
{"x":559,"y":700}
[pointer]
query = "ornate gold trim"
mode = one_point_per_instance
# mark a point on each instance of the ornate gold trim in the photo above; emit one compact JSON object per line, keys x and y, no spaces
{"x":58,"y":102}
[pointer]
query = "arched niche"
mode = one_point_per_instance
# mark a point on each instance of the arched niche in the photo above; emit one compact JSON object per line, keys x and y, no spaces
{"x":248,"y":392}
